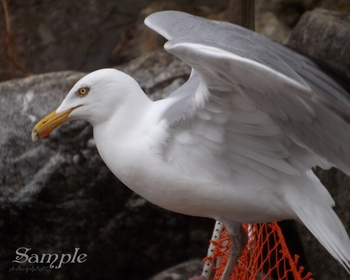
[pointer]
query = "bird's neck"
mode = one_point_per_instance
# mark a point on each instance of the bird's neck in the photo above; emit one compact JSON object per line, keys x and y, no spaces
{"x":124,"y":137}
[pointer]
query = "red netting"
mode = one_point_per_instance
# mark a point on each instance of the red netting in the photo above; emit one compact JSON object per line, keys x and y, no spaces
{"x":265,"y":256}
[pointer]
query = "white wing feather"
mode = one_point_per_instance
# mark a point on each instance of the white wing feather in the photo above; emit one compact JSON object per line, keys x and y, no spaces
{"x":256,"y":128}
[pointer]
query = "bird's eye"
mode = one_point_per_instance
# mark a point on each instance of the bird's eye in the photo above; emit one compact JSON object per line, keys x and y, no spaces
{"x":83,"y":91}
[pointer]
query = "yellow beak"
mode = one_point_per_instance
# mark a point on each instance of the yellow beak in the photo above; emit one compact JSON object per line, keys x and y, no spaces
{"x":44,"y":127}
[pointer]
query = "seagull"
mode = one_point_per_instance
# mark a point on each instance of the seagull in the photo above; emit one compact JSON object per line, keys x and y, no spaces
{"x":235,"y":143}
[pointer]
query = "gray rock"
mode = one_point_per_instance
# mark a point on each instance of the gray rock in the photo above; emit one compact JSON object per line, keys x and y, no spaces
{"x":158,"y":73}
{"x":79,"y":35}
{"x":183,"y":271}
{"x":22,"y":102}
{"x":324,"y":35}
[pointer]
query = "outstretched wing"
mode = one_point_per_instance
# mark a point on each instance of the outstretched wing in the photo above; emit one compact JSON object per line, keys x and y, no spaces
{"x":255,"y":108}
{"x":252,"y":114}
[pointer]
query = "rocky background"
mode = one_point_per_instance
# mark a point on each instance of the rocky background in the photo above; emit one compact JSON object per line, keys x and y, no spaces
{"x":57,"y":195}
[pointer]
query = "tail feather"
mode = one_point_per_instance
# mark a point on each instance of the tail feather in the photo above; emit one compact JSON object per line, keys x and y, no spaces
{"x":329,"y":231}
{"x":313,"y":206}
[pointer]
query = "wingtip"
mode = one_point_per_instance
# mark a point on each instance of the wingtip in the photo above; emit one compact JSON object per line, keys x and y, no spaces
{"x":163,"y":22}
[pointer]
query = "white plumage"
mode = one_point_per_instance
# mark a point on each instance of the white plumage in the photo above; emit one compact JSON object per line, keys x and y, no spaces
{"x":236,"y":143}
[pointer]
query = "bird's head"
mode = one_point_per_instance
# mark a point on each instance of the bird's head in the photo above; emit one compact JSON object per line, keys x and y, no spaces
{"x":93,"y":98}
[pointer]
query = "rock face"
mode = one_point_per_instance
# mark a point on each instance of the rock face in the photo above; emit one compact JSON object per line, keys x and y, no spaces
{"x":76,"y":35}
{"x":57,"y":195}
{"x":182,"y":271}
{"x":329,"y":31}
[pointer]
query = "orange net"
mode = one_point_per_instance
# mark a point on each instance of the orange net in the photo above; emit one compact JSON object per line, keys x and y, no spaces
{"x":266,"y":256}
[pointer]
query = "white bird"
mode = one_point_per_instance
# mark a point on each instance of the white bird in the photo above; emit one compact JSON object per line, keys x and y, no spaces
{"x":236,"y":143}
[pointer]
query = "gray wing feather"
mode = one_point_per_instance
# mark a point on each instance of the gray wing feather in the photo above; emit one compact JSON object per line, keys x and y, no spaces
{"x":250,"y":45}
{"x":309,"y":106}
{"x":310,"y":120}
